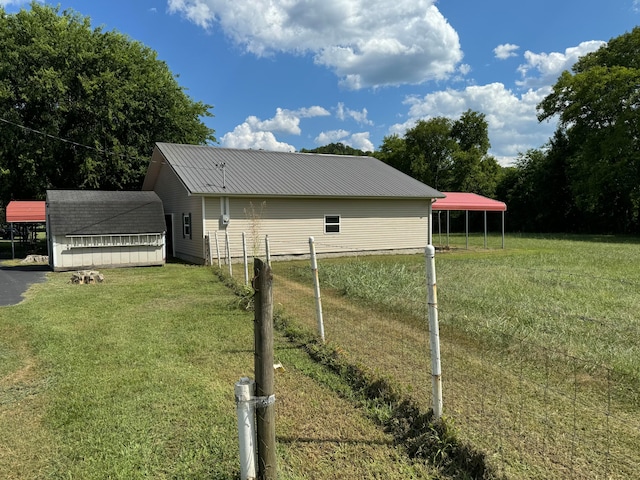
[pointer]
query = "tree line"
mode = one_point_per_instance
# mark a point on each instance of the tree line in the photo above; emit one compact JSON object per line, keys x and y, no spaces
{"x":585,"y":179}
{"x":82,"y":108}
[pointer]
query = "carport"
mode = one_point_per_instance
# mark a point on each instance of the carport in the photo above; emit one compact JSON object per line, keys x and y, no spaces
{"x":461,"y":201}
{"x":24,"y":213}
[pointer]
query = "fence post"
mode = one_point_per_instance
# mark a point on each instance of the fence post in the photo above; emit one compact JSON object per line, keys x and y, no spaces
{"x":244,"y":257}
{"x":316,"y":287}
{"x":263,"y":366}
{"x":209,"y":249}
{"x":267,"y":249}
{"x":434,"y":334}
{"x":244,"y":392}
{"x":218,"y":250}
{"x":228,"y":251}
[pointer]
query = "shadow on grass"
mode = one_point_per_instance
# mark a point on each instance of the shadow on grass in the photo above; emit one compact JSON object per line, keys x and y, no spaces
{"x":27,"y":267}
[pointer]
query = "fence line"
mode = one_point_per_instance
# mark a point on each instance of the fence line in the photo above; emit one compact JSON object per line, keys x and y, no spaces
{"x":544,"y":409}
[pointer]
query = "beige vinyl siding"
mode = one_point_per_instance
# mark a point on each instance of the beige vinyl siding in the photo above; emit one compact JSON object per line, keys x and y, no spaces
{"x":365,"y":224}
{"x":176,"y":200}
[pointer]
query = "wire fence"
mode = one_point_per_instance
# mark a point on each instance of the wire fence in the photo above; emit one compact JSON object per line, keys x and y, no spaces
{"x":530,"y":398}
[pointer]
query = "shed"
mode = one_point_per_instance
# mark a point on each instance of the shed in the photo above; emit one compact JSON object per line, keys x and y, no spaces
{"x":462,"y":201}
{"x":101,"y":229}
{"x":347,"y":203}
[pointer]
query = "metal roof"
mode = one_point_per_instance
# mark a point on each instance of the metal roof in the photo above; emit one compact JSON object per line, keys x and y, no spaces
{"x":210,"y":170}
{"x":93,"y":212}
{"x":30,"y":211}
{"x":468,"y":201}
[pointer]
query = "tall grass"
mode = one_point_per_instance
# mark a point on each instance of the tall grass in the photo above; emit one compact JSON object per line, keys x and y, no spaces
{"x":540,"y":360}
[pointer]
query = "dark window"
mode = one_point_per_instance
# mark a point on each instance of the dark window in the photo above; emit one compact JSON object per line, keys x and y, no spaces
{"x":332,"y":224}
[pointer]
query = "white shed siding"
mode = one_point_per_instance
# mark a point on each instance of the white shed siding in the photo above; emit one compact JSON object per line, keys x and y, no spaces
{"x":67,"y":257}
{"x":176,"y":200}
{"x":365,"y":224}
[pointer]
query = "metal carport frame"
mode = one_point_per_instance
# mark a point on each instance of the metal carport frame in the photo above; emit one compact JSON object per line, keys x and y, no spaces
{"x":461,"y":201}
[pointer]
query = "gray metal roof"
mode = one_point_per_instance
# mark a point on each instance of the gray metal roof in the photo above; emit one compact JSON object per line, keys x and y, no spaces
{"x":92,"y":212}
{"x":213,"y":170}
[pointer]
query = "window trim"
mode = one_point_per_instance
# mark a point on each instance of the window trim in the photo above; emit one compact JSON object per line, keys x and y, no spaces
{"x":187,"y":226}
{"x":337,"y":224}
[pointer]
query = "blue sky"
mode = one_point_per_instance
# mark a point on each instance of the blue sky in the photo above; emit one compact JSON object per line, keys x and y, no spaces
{"x":292,"y":74}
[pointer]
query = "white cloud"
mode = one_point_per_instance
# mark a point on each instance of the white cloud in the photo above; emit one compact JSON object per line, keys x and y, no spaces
{"x":502,"y":52}
{"x":343,"y":113}
{"x":367,"y":43}
{"x":243,"y":136}
{"x":255,"y":133}
{"x":512,"y":120}
{"x":6,"y":3}
{"x":636,"y":5}
{"x":547,"y":67}
{"x":331,"y":136}
{"x":357,"y":140}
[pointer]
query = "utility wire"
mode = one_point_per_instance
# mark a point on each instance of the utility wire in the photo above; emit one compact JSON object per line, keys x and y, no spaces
{"x":66,"y":140}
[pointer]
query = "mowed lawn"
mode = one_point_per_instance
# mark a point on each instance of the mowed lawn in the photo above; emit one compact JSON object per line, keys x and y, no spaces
{"x":133,"y":378}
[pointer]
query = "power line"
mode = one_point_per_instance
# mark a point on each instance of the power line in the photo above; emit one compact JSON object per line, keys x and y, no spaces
{"x":65,"y":140}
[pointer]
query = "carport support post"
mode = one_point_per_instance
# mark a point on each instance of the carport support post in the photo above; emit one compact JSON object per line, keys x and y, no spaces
{"x":13,"y":248}
{"x":263,"y":365}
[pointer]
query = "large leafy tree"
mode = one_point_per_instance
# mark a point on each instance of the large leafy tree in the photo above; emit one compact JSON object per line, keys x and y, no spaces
{"x":449,"y":155}
{"x":82,"y":107}
{"x":598,"y":106}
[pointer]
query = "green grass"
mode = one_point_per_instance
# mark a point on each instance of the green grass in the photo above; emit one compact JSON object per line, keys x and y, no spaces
{"x":133,"y":378}
{"x":540,"y":357}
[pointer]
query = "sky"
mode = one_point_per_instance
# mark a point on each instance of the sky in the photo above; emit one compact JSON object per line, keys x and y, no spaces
{"x":293,"y":74}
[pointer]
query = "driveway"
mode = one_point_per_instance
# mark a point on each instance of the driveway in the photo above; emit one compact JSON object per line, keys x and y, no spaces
{"x":14,"y":281}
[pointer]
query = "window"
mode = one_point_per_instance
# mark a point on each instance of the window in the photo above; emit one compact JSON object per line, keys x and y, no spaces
{"x":186,"y":226}
{"x":332,"y":224}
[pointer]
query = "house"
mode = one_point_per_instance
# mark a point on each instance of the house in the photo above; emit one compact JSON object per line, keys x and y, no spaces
{"x":100,"y":229}
{"x":347,"y":203}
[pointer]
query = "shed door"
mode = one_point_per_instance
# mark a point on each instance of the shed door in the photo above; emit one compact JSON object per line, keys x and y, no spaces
{"x":168,"y":220}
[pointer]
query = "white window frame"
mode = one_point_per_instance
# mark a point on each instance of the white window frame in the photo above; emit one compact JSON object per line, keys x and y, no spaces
{"x":106,"y":241}
{"x":332,"y":224}
{"x":187,"y":226}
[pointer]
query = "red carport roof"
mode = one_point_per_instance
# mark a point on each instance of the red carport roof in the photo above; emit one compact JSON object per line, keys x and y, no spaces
{"x":26,"y":212}
{"x":468,"y":201}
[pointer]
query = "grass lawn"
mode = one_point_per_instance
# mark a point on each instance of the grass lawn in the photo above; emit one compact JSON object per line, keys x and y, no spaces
{"x":540,"y":358}
{"x":133,"y":378}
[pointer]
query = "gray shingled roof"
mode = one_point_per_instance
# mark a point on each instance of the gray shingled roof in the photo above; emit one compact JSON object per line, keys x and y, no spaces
{"x":87,"y":212}
{"x":259,"y":172}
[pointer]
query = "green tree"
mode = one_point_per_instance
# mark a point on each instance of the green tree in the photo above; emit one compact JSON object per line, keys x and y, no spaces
{"x":447,"y":155}
{"x":65,"y":87}
{"x":336,"y":149}
{"x":598,"y":106}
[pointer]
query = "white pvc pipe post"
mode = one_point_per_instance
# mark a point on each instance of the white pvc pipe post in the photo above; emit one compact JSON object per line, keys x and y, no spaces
{"x":267,"y":249}
{"x":244,"y":256}
{"x":245,"y":406}
{"x":228,"y":250}
{"x":218,"y":250}
{"x":434,"y":333}
{"x":316,"y":287}
{"x":210,"y":246}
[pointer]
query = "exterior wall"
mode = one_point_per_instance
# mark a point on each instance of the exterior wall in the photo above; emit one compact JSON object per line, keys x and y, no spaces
{"x":365,"y":225}
{"x":66,"y":257}
{"x":176,"y":200}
